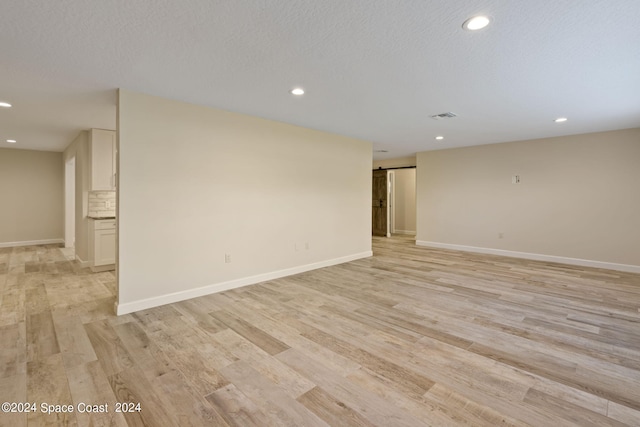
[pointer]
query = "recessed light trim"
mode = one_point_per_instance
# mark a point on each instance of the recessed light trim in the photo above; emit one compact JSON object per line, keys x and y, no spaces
{"x":439,"y":137}
{"x":476,"y":23}
{"x":297,"y":91}
{"x":5,"y":104}
{"x":561,"y":120}
{"x":11,"y":141}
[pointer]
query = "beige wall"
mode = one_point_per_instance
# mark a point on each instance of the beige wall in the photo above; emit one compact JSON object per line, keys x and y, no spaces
{"x":579,"y":197}
{"x":405,"y":201}
{"x":80,"y":150}
{"x":31,"y":196}
{"x":197,"y":183}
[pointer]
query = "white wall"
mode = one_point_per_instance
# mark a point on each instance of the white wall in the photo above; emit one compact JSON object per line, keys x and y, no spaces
{"x":197,"y":183}
{"x":31,"y":197}
{"x":578,"y":200}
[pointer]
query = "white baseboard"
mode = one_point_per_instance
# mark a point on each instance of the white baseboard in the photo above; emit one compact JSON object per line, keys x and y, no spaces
{"x":30,"y":243}
{"x":144,"y":304}
{"x":83,"y":264}
{"x":101,"y":268}
{"x":409,"y":232}
{"x":536,"y":257}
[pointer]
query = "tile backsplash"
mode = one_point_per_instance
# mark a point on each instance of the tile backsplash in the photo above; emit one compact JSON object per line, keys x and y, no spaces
{"x":102,"y":203}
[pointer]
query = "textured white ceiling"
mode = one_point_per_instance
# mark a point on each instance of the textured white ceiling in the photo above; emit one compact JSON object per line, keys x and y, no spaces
{"x":373,"y":69}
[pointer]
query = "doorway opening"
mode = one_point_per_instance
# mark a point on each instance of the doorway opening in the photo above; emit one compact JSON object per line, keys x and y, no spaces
{"x":402,"y":201}
{"x":70,"y":203}
{"x":394,"y":201}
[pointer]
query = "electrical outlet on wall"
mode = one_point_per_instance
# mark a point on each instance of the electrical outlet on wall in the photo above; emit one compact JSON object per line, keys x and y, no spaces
{"x":227,"y":258}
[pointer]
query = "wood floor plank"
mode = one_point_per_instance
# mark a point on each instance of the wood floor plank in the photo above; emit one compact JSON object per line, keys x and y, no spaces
{"x":269,"y":396}
{"x":186,"y":405}
{"x":373,"y":322}
{"x":368,"y":405}
{"x":42,"y":340}
{"x":36,"y":299}
{"x":483,"y":381}
{"x":200,"y":315}
{"x":284,"y":330}
{"x":13,"y":350}
{"x":90,"y":386}
{"x":407,"y":381}
{"x":147,"y":355}
{"x":199,"y":372}
{"x":272,"y":369}
{"x":75,"y":346}
{"x":12,"y":308}
{"x":333,"y":411}
{"x":624,"y":414}
{"x":417,"y":324}
{"x":47,"y":383}
{"x":411,"y":336}
{"x":195,"y":336}
{"x":111,"y":353}
{"x":236,"y":408}
{"x":576,"y":344}
{"x":572,"y":395}
{"x":461,"y":409}
{"x":422,"y":407}
{"x":130,"y":386}
{"x":619,"y":391}
{"x":257,"y":336}
{"x":568,"y":411}
{"x":13,"y":389}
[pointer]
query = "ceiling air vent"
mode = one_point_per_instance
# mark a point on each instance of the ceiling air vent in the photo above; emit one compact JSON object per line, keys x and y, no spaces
{"x":380,"y":151}
{"x":441,"y":116}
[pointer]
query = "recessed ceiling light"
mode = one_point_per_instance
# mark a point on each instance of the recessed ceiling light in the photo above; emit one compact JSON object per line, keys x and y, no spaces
{"x":560,"y":119}
{"x":439,"y":137}
{"x":11,"y":141}
{"x":476,"y":23}
{"x":297,"y":91}
{"x":5,"y":105}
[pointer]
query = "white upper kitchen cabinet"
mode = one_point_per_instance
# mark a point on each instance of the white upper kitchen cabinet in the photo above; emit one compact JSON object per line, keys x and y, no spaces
{"x":102,"y":160}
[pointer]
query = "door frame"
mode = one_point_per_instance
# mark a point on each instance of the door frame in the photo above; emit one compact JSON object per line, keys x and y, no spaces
{"x":391,"y":197}
{"x":70,"y":202}
{"x":391,"y":202}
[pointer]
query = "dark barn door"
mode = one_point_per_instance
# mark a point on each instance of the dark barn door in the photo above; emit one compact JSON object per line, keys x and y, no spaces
{"x":379,"y":203}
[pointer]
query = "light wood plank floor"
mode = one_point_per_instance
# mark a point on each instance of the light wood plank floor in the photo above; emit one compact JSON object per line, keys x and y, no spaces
{"x":410,"y":337}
